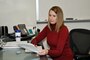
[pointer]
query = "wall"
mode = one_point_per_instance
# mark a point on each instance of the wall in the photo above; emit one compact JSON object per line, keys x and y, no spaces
{"x":70,"y":25}
{"x":77,"y":9}
{"x":13,"y":12}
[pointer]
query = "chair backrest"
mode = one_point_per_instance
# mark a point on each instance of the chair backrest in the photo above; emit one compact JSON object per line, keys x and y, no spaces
{"x":0,"y":31}
{"x":3,"y":31}
{"x":80,"y":40}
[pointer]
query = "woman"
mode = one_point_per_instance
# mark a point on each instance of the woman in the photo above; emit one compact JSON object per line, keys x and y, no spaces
{"x":57,"y":36}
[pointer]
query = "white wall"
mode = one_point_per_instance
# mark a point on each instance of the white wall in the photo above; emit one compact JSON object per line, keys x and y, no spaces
{"x":84,"y":25}
{"x":13,"y":12}
{"x":77,"y":9}
{"x":71,"y":25}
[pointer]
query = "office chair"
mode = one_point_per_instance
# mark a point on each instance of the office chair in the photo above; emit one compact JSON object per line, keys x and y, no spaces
{"x":0,"y":31}
{"x":3,"y":31}
{"x":80,"y":43}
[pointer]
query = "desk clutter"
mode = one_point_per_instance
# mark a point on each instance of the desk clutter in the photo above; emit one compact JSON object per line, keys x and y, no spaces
{"x":13,"y":44}
{"x":9,"y":39}
{"x":28,"y":47}
{"x":26,"y":32}
{"x":19,"y":50}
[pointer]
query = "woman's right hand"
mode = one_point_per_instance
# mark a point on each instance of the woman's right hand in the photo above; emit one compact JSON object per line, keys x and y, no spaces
{"x":43,"y":52}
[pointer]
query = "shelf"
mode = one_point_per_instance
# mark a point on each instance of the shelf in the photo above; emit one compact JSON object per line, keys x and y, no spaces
{"x":66,"y":21}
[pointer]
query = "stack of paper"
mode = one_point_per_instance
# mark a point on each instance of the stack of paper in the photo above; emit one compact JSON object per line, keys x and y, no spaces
{"x":13,"y":44}
{"x":30,"y":47}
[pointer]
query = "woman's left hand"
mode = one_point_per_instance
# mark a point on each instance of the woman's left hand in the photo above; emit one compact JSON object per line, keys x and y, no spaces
{"x":43,"y":52}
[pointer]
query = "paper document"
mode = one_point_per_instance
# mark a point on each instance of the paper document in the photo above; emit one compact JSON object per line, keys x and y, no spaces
{"x":13,"y":44}
{"x":29,"y":46}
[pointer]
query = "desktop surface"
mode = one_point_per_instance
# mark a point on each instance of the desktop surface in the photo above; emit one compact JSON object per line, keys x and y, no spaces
{"x":19,"y":54}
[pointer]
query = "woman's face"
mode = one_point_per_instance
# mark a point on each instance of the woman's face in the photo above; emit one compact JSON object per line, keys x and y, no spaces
{"x":52,"y":17}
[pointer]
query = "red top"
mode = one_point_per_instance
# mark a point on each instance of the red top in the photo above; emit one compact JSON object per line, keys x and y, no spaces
{"x":58,"y":42}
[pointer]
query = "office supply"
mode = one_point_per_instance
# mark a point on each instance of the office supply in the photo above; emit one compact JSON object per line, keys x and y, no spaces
{"x":29,"y":47}
{"x":38,"y":47}
{"x":24,"y":32}
{"x":30,"y":31}
{"x":13,"y":44}
{"x":18,"y":35}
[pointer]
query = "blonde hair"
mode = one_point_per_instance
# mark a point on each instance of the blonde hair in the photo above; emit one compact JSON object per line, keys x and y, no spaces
{"x":60,"y":17}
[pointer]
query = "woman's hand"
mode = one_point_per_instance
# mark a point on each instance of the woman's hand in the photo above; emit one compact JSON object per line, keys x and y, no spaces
{"x":43,"y":52}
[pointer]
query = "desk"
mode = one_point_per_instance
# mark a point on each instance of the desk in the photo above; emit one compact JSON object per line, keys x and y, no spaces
{"x":19,"y":54}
